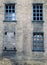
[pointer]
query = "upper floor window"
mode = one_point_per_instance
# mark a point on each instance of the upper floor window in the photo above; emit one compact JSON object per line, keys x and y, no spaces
{"x":38,"y":41}
{"x":37,"y":12}
{"x":10,"y":12}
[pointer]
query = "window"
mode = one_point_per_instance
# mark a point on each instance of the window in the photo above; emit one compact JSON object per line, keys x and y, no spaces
{"x":38,"y":41}
{"x":9,"y":36}
{"x":37,"y":12}
{"x":10,"y":12}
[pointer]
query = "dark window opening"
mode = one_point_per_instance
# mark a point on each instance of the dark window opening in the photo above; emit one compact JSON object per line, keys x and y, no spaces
{"x":5,"y":48}
{"x":37,"y":18}
{"x":34,"y":14}
{"x":5,"y":33}
{"x":6,"y":11}
{"x":41,"y":18}
{"x":40,"y":10}
{"x":34,"y":18}
{"x":37,"y":6}
{"x":13,"y":11}
{"x":34,"y":10}
{"x":37,"y":14}
{"x":10,"y":11}
{"x":34,"y":6}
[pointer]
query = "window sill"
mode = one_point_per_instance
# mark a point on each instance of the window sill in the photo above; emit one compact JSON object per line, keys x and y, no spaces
{"x":38,"y":50}
{"x":10,"y":21}
{"x":37,"y":21}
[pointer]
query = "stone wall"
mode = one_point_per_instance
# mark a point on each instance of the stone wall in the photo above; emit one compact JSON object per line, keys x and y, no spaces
{"x":24,"y":26}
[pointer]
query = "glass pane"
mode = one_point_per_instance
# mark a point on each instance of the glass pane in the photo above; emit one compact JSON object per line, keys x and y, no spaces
{"x":34,"y":46}
{"x":34,"y":6}
{"x":40,"y":14}
{"x":34,"y":43}
{"x":41,"y":18}
{"x":6,"y":18}
{"x":34,"y":10}
{"x":37,"y":14}
{"x":37,"y":6}
{"x":9,"y":11}
{"x":13,"y":11}
{"x":40,"y":10}
{"x":34,"y":14}
{"x":13,"y":7}
{"x":40,"y":6}
{"x":6,"y":11}
{"x":9,"y":6}
{"x":34,"y":39}
{"x":34,"y":18}
{"x":37,"y":10}
{"x":6,"y":7}
{"x":37,"y":18}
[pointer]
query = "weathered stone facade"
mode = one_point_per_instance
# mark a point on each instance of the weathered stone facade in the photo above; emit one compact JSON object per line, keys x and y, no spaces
{"x":23,"y":28}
